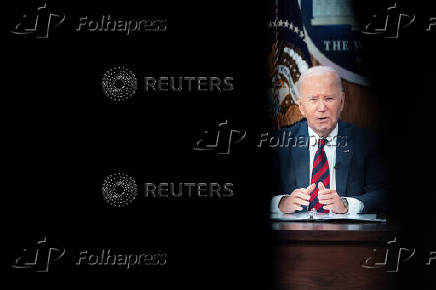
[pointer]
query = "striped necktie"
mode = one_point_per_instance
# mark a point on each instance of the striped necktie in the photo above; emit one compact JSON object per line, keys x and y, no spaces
{"x":320,"y":173}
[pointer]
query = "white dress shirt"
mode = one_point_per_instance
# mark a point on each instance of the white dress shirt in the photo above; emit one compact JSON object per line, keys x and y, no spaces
{"x":354,"y":205}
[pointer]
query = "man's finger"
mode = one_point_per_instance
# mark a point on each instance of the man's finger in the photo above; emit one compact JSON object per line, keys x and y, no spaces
{"x":297,"y":207}
{"x":302,"y":190}
{"x":327,"y":201}
{"x":327,"y":194}
{"x":321,"y":186}
{"x":324,"y":198}
{"x":297,"y":193}
{"x":301,"y":201}
{"x":297,"y":190}
{"x":302,"y":195}
{"x":310,"y":188}
{"x":324,"y":192}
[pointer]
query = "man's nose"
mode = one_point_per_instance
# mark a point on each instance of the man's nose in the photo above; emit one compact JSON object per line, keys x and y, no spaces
{"x":321,"y":106}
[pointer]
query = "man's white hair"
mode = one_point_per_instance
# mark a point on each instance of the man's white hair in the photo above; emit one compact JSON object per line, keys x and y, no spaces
{"x":316,"y":71}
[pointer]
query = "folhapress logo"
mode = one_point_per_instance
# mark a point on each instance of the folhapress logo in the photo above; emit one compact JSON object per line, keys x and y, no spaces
{"x":41,"y":258}
{"x":106,"y":257}
{"x":128,"y":26}
{"x":38,"y":258}
{"x":119,"y":189}
{"x":40,"y":23}
{"x":119,"y":84}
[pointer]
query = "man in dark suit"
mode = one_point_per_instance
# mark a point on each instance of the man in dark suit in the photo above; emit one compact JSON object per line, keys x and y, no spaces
{"x":327,"y":165}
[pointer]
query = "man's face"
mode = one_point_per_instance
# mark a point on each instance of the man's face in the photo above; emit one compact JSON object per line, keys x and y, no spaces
{"x":321,"y":102}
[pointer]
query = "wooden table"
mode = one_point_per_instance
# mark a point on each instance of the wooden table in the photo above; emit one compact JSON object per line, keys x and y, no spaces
{"x":330,"y":255}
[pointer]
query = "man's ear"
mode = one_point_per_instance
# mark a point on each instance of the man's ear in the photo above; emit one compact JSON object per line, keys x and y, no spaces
{"x":343,"y":101}
{"x":300,"y":106}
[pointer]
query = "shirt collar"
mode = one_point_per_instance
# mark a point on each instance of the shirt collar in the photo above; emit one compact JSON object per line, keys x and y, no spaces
{"x":331,"y":137}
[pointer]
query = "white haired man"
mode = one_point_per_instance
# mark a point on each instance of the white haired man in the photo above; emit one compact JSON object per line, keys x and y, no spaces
{"x":338,"y":169}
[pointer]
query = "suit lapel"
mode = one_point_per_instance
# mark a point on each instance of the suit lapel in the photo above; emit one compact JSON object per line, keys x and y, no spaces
{"x":344,"y":152}
{"x":301,"y":156}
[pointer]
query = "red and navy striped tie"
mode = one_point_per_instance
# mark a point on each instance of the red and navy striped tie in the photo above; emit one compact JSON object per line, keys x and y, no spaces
{"x":320,"y":173}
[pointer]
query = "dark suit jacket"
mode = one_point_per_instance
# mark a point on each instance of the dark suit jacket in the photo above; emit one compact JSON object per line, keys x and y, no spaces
{"x":360,"y":172}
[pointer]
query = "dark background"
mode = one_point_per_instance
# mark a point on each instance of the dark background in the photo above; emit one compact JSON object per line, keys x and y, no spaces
{"x":62,"y":137}
{"x":403,"y":76}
